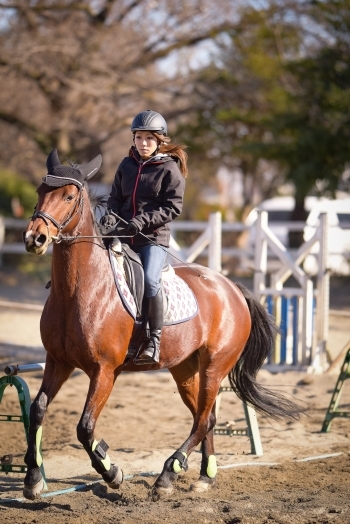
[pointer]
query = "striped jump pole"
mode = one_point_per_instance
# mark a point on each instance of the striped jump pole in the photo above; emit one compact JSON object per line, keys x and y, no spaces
{"x":11,"y":379}
{"x":285,"y":309}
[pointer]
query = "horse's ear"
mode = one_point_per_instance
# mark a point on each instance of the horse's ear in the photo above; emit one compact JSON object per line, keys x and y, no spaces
{"x":90,"y":169}
{"x":52,"y":160}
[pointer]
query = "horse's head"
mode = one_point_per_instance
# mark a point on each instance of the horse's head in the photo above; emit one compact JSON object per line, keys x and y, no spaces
{"x":60,"y":202}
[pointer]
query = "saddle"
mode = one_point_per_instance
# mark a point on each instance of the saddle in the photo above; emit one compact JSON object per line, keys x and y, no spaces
{"x":179,"y":302}
{"x":132,"y":268}
{"x":133,"y":271}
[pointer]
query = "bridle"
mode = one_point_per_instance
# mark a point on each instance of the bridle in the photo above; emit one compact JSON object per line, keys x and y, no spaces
{"x":78,"y":206}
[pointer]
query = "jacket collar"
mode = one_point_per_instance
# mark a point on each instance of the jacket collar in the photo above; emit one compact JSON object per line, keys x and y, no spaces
{"x":159,"y":158}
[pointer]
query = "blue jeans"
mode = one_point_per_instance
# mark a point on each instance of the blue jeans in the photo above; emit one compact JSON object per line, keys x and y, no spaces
{"x":153,"y":259}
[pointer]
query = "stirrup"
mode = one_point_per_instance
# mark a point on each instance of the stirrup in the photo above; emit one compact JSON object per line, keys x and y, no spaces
{"x":130,"y":354}
{"x":151,"y":358}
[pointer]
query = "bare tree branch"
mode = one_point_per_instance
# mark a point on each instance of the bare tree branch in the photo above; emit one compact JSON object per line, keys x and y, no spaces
{"x":81,"y":69}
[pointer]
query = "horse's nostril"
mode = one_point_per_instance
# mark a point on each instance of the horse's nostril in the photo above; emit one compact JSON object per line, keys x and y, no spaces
{"x":40,"y":240}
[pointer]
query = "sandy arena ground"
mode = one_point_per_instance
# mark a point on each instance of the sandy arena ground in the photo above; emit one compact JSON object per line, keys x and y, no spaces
{"x":144,"y":421}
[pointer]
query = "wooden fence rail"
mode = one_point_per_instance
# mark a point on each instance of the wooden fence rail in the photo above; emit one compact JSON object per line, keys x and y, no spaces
{"x":309,"y":323}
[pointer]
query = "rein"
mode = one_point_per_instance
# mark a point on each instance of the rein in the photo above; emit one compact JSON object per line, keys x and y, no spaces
{"x":60,"y":238}
{"x":79,"y":204}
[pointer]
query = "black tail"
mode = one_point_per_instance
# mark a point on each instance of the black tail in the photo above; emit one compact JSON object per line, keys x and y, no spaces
{"x":258,"y":347}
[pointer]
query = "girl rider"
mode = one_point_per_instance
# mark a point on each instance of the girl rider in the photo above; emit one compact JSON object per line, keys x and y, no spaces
{"x":147,"y":192}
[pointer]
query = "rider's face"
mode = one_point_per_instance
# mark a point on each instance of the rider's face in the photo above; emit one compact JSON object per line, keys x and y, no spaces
{"x":145,"y":143}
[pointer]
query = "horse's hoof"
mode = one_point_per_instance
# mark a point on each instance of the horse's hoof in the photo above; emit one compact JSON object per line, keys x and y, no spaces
{"x":33,"y":492}
{"x":202,"y":486}
{"x":160,"y":492}
{"x":117,"y":481}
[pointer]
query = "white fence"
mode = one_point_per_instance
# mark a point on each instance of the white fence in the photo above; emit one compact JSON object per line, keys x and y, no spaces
{"x":13,"y":248}
{"x":309,"y":310}
{"x":301,"y":311}
{"x":310,"y":324}
{"x":208,"y":244}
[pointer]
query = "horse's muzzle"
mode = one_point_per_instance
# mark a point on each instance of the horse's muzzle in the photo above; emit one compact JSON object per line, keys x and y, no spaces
{"x":35,"y":242}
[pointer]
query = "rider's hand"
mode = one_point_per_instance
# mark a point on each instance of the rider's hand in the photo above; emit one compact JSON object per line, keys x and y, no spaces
{"x":108,"y":220}
{"x":132,"y":229}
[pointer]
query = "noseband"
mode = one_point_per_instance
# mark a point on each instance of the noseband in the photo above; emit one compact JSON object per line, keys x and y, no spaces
{"x":60,"y":225}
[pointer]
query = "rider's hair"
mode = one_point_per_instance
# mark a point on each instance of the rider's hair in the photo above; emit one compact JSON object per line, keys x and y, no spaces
{"x":171,"y":149}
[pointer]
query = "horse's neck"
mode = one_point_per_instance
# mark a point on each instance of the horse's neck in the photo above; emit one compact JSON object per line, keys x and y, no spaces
{"x":81,"y":264}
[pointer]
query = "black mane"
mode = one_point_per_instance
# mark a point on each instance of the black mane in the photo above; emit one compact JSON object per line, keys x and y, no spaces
{"x":97,"y":201}
{"x":98,"y":204}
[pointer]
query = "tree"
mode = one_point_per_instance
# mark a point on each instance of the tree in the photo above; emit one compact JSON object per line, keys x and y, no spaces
{"x":312,"y":135}
{"x":17,"y":195}
{"x":236,"y":96}
{"x":280,"y":99}
{"x":73,"y":73}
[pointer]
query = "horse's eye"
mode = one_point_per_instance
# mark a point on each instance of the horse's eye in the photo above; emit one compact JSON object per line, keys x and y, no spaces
{"x":69,"y":198}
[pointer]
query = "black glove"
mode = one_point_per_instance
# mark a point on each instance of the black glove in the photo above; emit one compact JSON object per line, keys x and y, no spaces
{"x":131,"y":229}
{"x":109,"y":220}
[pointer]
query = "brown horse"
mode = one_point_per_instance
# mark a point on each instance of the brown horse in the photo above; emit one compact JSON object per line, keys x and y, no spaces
{"x":85,"y":325}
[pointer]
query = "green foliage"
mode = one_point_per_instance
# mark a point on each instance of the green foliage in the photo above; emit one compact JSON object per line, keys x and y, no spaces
{"x":312,"y":138}
{"x":279,"y":95}
{"x":37,"y":268}
{"x":18,"y":268}
{"x":237,"y":96}
{"x":13,"y":186}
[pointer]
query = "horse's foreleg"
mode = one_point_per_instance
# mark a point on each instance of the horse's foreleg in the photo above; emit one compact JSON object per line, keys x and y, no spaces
{"x":101,"y":385}
{"x":54,"y":376}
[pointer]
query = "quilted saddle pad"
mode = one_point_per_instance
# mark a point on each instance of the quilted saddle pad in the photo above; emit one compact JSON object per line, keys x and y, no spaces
{"x":181,"y":304}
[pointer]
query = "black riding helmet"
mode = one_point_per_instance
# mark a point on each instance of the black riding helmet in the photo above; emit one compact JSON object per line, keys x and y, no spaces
{"x":149,"y":121}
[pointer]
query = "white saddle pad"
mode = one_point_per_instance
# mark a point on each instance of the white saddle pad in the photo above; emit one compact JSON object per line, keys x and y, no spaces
{"x":181,"y":304}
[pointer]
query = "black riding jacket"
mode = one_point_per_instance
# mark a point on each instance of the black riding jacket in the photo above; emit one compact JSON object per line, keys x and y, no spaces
{"x":150,"y":193}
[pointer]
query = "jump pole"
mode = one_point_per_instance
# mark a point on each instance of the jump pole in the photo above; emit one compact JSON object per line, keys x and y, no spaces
{"x":23,"y":368}
{"x":10,"y":379}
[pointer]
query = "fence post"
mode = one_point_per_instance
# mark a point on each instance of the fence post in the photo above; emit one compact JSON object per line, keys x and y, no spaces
{"x":2,"y":237}
{"x":260,"y":258}
{"x":214,"y":248}
{"x":307,"y":320}
{"x":295,"y":300}
{"x":322,"y":310}
{"x":302,"y":350}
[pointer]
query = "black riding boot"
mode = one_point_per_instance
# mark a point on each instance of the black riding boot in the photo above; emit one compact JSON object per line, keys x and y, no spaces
{"x":149,"y":351}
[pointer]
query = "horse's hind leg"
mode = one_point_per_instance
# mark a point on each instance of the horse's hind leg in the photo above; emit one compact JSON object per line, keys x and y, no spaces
{"x":101,"y":384}
{"x":207,"y":478}
{"x":187,"y":378}
{"x":54,"y":376}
